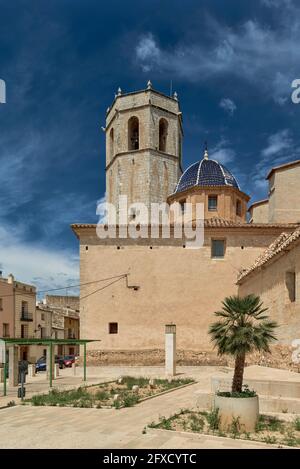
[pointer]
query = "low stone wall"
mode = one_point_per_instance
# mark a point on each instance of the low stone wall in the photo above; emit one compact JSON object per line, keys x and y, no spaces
{"x":154,"y":357}
{"x":280,"y":357}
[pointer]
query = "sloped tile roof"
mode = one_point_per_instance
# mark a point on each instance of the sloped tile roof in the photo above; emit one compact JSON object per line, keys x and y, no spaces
{"x":214,"y":222}
{"x":220,"y":222}
{"x":282,"y":243}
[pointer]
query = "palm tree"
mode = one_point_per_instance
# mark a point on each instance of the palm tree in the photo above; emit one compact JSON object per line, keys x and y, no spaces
{"x":243,"y":328}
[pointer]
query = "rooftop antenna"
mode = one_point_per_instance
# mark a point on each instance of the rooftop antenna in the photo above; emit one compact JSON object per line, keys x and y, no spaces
{"x":171,"y":87}
{"x":205,"y":150}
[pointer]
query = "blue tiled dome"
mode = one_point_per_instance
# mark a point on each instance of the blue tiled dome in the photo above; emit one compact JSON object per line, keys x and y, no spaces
{"x":206,"y":173}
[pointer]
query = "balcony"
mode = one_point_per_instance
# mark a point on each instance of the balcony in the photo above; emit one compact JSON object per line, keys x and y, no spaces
{"x":25,"y":316}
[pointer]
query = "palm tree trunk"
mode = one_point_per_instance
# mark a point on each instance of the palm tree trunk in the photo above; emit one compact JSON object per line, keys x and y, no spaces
{"x":237,"y":381}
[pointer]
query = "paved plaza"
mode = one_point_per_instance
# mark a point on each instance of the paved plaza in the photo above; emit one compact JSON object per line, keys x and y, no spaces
{"x":64,"y":427}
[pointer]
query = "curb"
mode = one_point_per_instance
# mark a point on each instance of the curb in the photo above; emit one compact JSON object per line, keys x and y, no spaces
{"x":194,"y":435}
{"x":167,"y":391}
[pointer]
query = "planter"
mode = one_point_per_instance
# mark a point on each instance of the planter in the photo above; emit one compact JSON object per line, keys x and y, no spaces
{"x":245,"y":409}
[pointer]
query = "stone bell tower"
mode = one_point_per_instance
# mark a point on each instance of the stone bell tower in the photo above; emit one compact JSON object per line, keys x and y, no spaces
{"x":143,"y":146}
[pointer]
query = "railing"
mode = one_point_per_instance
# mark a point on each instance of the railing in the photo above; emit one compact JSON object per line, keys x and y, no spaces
{"x":25,"y":316}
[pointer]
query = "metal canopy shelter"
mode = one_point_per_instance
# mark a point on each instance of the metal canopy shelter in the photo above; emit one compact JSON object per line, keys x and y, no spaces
{"x":49,"y":343}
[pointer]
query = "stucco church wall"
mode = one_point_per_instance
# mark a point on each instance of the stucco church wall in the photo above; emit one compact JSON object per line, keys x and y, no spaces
{"x":284,"y":195}
{"x":175,"y":284}
{"x":260,"y":213}
{"x":270,"y":284}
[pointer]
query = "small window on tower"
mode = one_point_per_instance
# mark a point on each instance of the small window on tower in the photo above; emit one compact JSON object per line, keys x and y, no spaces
{"x":163,"y":132}
{"x":111,"y":144}
{"x":212,"y":203}
{"x":113,"y":328}
{"x":133,"y":134}
{"x":239,"y":208}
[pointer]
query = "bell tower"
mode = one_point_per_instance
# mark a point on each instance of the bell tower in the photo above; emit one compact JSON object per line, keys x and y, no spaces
{"x":143,"y":146}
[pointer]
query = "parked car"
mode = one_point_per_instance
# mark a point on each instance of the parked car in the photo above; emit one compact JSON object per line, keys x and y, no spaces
{"x":68,"y":360}
{"x":41,"y":364}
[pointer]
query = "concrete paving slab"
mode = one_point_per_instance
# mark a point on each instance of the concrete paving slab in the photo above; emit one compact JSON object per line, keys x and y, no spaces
{"x":63,"y":427}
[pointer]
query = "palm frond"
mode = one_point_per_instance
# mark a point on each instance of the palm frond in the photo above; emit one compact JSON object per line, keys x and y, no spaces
{"x":243,"y":326}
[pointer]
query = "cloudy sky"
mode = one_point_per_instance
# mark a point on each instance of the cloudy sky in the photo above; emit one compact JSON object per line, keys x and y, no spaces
{"x":231,"y":62}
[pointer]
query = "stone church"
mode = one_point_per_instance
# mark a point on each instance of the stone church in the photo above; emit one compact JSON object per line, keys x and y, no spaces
{"x":132,"y":288}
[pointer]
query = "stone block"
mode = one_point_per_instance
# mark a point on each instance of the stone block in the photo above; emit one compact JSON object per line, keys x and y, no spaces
{"x":56,"y":370}
{"x":152,"y":383}
{"x":31,"y":371}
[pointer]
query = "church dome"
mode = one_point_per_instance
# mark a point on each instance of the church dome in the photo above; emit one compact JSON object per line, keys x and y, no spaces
{"x":206,"y":173}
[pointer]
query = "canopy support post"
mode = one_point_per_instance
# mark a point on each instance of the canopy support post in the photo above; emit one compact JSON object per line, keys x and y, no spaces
{"x":84,"y":362}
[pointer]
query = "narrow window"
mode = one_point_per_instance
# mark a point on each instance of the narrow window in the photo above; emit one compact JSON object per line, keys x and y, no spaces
{"x":24,"y":331}
{"x":24,"y":308}
{"x":113,"y":328}
{"x":163,"y":133}
{"x":133,"y":134}
{"x":217,"y":248}
{"x":5,"y":330}
{"x":212,"y":203}
{"x":238,"y":208}
{"x":1,"y":304}
{"x":290,"y":281}
{"x":111,"y":144}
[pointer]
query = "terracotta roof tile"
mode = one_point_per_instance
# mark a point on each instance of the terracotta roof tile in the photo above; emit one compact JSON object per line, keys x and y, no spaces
{"x":220,"y":222}
{"x":214,"y":222}
{"x":284,"y":241}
